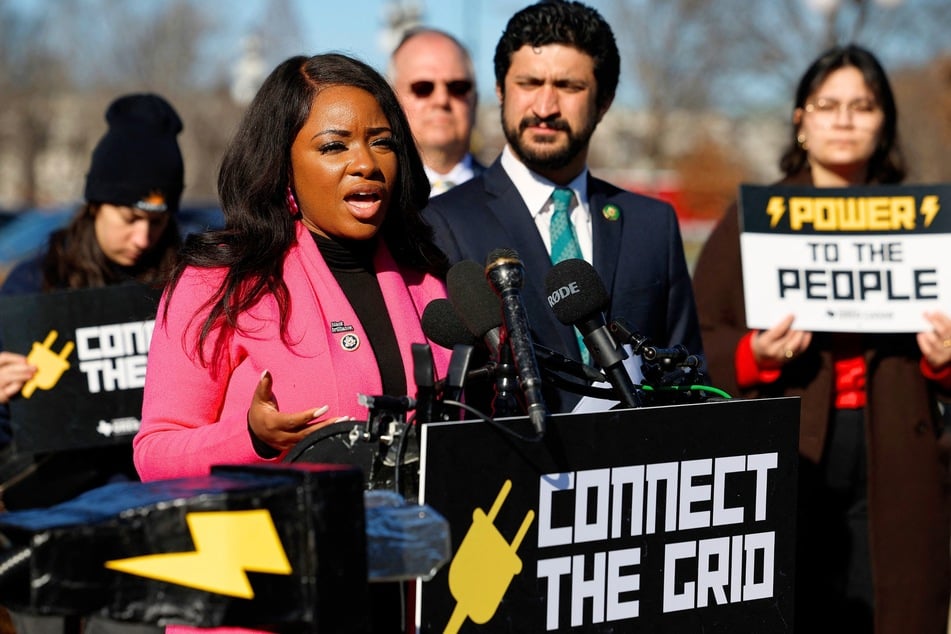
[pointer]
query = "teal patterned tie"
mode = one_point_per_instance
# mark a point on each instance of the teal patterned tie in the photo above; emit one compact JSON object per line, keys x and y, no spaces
{"x":564,"y":243}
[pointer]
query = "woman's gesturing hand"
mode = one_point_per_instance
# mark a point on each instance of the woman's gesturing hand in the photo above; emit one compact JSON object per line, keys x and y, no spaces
{"x":278,"y":429}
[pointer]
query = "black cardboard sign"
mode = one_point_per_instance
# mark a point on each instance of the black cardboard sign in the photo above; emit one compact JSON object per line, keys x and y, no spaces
{"x":91,"y":347}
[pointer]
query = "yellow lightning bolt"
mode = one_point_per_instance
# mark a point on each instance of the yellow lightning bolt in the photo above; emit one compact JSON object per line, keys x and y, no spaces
{"x":775,"y":209}
{"x":930,"y":206}
{"x":227,"y":543}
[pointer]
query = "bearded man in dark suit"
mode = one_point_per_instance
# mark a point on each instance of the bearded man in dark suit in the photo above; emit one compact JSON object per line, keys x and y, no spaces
{"x":556,"y":69}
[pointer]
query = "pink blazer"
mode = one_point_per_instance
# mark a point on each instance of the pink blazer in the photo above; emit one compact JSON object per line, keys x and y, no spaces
{"x":194,"y":416}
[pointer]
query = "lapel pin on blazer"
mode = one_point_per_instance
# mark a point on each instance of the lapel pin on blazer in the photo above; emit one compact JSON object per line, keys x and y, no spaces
{"x":350,"y":342}
{"x":611,"y":212}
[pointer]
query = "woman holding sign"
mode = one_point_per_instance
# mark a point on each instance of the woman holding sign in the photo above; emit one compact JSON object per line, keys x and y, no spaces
{"x":873,"y":526}
{"x":125,"y":231}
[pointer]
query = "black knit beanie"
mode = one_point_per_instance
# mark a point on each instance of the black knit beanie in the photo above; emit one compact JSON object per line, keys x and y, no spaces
{"x":137,"y":163}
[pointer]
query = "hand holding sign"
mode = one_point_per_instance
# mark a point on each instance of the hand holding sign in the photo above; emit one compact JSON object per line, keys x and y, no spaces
{"x":935,"y":344}
{"x":775,"y":347}
{"x":14,"y":372}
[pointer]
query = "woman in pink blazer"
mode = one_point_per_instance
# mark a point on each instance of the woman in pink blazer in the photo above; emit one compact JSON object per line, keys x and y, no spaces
{"x":313,"y":291}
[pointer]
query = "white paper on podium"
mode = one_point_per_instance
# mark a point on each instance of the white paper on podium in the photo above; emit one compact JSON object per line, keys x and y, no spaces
{"x":594,"y":404}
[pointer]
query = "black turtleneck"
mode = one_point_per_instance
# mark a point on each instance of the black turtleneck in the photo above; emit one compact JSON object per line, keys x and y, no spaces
{"x":351,"y":262}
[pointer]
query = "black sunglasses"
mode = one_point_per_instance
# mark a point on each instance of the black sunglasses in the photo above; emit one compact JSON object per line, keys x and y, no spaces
{"x":456,"y":88}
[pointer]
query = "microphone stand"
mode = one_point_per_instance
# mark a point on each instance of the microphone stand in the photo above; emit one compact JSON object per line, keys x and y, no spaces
{"x":505,"y":399}
{"x":663,"y":368}
{"x":386,"y":424}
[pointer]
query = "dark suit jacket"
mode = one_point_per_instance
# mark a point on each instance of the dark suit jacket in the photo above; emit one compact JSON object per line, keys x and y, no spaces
{"x":639,"y":257}
{"x":477,"y":168}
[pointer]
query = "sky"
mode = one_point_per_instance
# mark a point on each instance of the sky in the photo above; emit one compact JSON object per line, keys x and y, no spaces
{"x":356,"y":26}
{"x":351,"y":26}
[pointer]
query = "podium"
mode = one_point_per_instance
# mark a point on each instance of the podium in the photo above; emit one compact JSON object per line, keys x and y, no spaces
{"x":673,"y":519}
{"x":663,"y":519}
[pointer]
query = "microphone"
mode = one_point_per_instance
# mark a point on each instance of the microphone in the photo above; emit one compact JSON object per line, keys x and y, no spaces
{"x":443,"y":326}
{"x":475,"y":304}
{"x":578,"y":298}
{"x":456,"y":378}
{"x":506,"y":274}
{"x":478,"y":307}
{"x":553,"y":361}
{"x":427,"y":407}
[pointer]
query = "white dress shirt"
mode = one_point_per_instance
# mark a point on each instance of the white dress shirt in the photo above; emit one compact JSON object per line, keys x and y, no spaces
{"x":536,"y":192}
{"x":460,"y":173}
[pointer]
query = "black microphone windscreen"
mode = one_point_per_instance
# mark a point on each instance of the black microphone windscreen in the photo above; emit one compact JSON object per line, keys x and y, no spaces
{"x":575,"y":291}
{"x":442,"y":325}
{"x":473,"y":298}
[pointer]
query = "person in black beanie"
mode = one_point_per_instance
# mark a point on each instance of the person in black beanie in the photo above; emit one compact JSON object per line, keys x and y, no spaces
{"x":125,"y":231}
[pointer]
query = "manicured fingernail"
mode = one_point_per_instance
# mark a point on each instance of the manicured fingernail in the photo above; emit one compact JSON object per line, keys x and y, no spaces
{"x":320,"y":411}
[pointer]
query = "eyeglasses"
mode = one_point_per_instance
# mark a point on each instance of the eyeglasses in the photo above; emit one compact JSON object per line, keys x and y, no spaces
{"x":828,"y":108}
{"x":457,"y":88}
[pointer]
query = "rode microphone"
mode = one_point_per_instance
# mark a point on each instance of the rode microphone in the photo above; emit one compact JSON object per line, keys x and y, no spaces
{"x":578,"y":298}
{"x":506,"y":274}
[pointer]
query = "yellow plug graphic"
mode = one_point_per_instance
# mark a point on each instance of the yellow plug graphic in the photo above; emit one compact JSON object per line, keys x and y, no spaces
{"x":484,"y":566}
{"x":49,"y":365}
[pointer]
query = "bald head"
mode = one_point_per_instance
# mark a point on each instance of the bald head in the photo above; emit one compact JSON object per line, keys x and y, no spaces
{"x":433,"y":77}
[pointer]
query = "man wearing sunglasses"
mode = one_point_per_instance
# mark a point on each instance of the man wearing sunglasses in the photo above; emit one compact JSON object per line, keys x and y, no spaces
{"x":433,"y":77}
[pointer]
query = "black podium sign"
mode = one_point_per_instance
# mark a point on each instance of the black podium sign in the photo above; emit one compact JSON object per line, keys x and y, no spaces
{"x":90,"y":347}
{"x":665,"y":519}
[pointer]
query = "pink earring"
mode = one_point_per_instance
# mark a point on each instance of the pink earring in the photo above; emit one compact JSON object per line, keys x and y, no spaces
{"x":292,"y":202}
